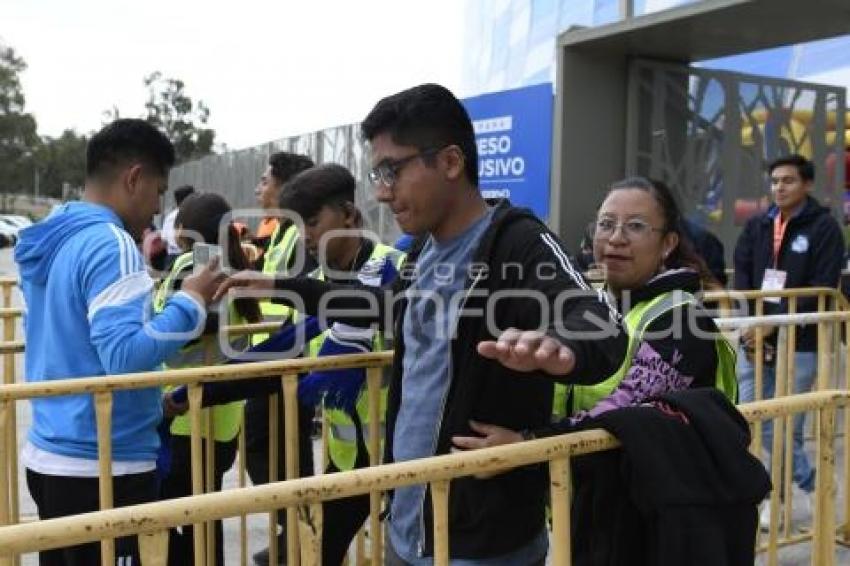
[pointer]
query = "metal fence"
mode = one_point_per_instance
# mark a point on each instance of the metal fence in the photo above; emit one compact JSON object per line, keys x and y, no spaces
{"x":235,"y":174}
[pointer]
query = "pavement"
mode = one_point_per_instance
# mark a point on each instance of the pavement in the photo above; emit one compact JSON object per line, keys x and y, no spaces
{"x":257,"y":525}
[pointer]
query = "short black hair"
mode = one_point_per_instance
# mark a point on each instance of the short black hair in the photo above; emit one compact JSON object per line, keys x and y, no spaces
{"x":328,"y":184}
{"x":805,"y":168}
{"x":180,"y":193}
{"x":426,"y":117}
{"x":285,"y":165}
{"x":128,"y":140}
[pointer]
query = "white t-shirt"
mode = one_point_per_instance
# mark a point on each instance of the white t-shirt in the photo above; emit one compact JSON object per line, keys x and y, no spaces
{"x":168,"y":233}
{"x":51,"y":464}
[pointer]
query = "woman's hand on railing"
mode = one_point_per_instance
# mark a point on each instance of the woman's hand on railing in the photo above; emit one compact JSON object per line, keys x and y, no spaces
{"x":490,"y":435}
{"x":529,"y":350}
{"x":253,"y":280}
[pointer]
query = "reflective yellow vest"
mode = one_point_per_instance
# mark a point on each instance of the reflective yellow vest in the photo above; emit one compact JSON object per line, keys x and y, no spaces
{"x":226,"y":418}
{"x":275,"y":260}
{"x":585,"y":397}
{"x":342,"y":433}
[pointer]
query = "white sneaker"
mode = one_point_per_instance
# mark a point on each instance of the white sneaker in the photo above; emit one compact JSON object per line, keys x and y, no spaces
{"x":803,"y":505}
{"x":764,"y":516}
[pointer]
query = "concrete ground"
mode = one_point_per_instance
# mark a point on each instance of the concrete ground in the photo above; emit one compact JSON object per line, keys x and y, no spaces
{"x":797,"y":555}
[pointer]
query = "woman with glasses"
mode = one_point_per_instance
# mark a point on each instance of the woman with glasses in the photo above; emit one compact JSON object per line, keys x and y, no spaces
{"x":653,"y":273}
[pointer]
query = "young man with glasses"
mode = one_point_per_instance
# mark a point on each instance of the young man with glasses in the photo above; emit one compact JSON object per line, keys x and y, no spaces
{"x":472,"y":315}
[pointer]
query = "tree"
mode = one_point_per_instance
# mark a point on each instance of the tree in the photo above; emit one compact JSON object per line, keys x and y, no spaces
{"x":18,"y":136}
{"x":171,"y":109}
{"x":61,"y":160}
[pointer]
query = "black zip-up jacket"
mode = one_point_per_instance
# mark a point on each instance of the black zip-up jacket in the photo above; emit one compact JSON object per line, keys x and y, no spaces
{"x":682,"y":490}
{"x":811,"y":252}
{"x":517,"y":252}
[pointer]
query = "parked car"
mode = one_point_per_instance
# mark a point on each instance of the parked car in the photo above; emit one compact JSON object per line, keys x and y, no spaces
{"x":16,"y":219}
{"x":10,"y":225}
{"x":8,"y":235}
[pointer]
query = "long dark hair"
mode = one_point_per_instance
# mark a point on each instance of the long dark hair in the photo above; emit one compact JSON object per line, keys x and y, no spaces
{"x":683,"y":255}
{"x":203,"y":214}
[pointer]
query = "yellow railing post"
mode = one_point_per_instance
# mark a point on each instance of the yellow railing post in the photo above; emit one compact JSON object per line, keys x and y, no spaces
{"x":7,"y":285}
{"x":103,"y":416}
{"x":823,"y":546}
{"x":243,"y":518}
{"x":196,"y":395}
{"x":292,"y":442}
{"x":274,"y":443}
{"x":11,"y":457}
{"x":440,"y":502}
{"x":4,"y":469}
{"x":758,"y":385}
{"x":789,"y":388}
{"x":560,"y":487}
{"x":210,"y":349}
{"x":360,"y":548}
{"x":373,"y":390}
{"x":153,"y":548}
{"x":776,"y":448}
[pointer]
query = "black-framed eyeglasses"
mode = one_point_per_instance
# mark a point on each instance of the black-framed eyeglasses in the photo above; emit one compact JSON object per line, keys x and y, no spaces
{"x":386,"y":173}
{"x":632,"y":229}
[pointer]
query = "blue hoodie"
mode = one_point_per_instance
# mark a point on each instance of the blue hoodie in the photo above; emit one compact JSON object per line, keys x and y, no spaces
{"x":88,"y":300}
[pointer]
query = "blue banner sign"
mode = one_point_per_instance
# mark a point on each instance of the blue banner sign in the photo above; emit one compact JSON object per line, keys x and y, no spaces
{"x":513,"y":131}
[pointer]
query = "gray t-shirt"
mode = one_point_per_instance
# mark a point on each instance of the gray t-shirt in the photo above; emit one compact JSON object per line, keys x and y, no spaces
{"x":429,"y":322}
{"x":433,"y":302}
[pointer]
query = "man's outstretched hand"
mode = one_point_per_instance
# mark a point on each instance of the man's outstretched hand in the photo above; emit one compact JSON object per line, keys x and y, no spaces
{"x":253,"y":280}
{"x":529,"y":350}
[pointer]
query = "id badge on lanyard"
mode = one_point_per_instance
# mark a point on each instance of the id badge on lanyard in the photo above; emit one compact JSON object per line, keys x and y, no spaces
{"x":774,"y":280}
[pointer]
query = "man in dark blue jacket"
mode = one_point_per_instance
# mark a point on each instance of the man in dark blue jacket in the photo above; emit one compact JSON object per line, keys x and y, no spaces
{"x":795,"y":243}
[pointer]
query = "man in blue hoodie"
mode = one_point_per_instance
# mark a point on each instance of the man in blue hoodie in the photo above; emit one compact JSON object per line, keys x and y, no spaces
{"x":88,"y":298}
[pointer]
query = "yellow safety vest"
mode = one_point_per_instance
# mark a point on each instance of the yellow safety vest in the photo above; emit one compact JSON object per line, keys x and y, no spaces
{"x":226,"y":418}
{"x":342,"y":433}
{"x":275,"y":260}
{"x":585,"y":397}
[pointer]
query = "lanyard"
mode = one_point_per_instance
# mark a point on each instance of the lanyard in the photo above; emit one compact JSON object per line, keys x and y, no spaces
{"x":778,"y":233}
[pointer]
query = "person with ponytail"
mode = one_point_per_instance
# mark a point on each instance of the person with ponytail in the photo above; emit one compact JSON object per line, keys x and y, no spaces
{"x":203,"y":218}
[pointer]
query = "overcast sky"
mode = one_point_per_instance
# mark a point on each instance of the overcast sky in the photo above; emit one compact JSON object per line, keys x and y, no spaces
{"x":265,"y":69}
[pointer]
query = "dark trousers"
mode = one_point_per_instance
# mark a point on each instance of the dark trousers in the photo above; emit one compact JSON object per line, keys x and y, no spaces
{"x":59,"y":496}
{"x":391,"y":557}
{"x":257,"y":442}
{"x":178,"y":483}
{"x":342,"y":518}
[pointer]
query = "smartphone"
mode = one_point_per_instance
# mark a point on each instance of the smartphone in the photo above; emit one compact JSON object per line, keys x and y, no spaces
{"x":203,"y":253}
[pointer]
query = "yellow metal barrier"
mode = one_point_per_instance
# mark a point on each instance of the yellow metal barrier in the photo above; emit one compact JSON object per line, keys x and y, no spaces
{"x":6,"y":285}
{"x":102,"y":387}
{"x":154,"y":519}
{"x":289,"y":369}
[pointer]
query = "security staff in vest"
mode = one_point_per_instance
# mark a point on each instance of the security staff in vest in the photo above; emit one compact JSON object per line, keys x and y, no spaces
{"x":282,"y":249}
{"x":200,"y":219}
{"x":324,"y":197}
{"x":795,"y":243}
{"x":654,"y":274}
{"x":282,"y":167}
